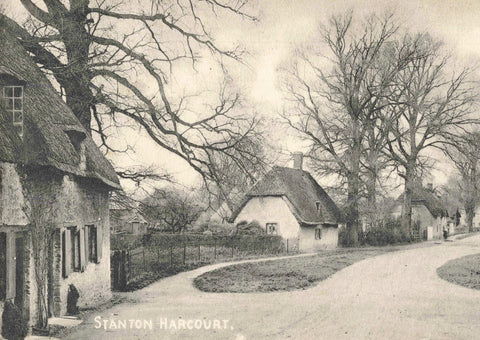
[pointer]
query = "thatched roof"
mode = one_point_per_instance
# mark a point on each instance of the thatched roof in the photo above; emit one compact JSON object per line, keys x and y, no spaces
{"x":301,"y":190}
{"x":121,"y":216}
{"x":428,"y":198}
{"x":48,"y":121}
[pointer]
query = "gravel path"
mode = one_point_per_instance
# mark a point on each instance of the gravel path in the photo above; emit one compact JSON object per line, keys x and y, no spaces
{"x":392,"y":296}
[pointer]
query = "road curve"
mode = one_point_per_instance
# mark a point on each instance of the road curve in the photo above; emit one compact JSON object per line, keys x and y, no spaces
{"x":392,"y":296}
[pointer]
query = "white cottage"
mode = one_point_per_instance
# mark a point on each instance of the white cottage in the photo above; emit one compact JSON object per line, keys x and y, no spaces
{"x":289,"y":202}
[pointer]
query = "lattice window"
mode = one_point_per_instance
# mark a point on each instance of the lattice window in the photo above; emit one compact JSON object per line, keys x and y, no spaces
{"x":13,"y":100}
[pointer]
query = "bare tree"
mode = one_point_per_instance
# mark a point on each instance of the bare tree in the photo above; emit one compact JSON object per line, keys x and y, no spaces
{"x":173,"y":208}
{"x":428,"y":105}
{"x":465,"y":155}
{"x":103,"y":52}
{"x":336,"y":101}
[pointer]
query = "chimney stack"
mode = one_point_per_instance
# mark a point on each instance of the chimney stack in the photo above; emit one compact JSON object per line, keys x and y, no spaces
{"x":298,"y":160}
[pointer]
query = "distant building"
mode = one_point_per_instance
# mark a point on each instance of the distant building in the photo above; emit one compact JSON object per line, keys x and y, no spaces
{"x":289,"y":202}
{"x":47,"y":156}
{"x":428,"y":212}
{"x":129,"y":221}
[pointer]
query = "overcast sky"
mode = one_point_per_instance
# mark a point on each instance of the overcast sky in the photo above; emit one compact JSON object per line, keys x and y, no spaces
{"x":286,"y":23}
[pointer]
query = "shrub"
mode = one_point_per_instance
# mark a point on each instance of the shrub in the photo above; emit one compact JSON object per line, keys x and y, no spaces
{"x":252,"y":228}
{"x":14,"y":326}
{"x":385,"y":232}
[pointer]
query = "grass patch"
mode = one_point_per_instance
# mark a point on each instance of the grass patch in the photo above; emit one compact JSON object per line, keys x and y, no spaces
{"x":464,"y":236}
{"x":286,"y":274}
{"x":464,"y":271}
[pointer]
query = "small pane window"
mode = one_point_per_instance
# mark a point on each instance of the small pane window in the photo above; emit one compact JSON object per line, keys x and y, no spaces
{"x":272,"y":228}
{"x":13,"y":101}
{"x":18,"y":91}
{"x":17,"y":117}
{"x":318,"y":233}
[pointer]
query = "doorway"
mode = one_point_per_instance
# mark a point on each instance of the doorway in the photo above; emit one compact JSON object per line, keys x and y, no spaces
{"x":19,"y":270}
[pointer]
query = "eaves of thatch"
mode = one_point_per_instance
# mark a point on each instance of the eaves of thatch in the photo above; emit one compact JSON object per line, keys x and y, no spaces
{"x":427,"y":198}
{"x":301,"y":192}
{"x":49,"y":124}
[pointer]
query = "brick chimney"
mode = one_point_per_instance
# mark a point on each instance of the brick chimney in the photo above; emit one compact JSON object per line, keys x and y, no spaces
{"x":298,"y":160}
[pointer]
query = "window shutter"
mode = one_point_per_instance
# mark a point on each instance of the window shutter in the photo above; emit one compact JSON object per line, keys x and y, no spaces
{"x":82,"y":249}
{"x":11,"y":267}
{"x":99,"y":243}
{"x":68,"y":252}
{"x":87,"y":248}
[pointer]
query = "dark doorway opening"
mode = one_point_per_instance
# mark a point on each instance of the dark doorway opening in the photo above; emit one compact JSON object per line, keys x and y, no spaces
{"x":19,"y":270}
{"x":3,"y":266}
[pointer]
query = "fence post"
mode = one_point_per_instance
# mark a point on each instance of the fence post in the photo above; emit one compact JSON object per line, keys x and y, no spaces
{"x":184,"y":253}
{"x":215,"y":249}
{"x":232,"y":247}
{"x":129,"y":259}
{"x":287,"y":245}
{"x":144,"y":263}
{"x":199,"y":254}
{"x":171,"y":256}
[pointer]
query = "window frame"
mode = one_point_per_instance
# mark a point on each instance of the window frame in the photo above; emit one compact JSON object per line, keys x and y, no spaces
{"x":92,"y":244}
{"x":271,"y":224}
{"x":76,"y":258}
{"x":15,"y":111}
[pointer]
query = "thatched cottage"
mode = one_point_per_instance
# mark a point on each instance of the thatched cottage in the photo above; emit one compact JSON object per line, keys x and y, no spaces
{"x":54,"y":189}
{"x":428,"y":213}
{"x":289,"y":202}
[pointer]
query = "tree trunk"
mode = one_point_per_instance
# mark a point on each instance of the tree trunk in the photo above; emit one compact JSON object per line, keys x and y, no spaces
{"x":372,"y":199}
{"x":410,"y":181}
{"x":77,"y":41}
{"x":470,"y":212}
{"x":353,"y":182}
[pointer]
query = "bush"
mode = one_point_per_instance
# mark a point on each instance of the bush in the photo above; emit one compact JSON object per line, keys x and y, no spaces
{"x":252,"y":228}
{"x":384,"y":233}
{"x":14,"y":326}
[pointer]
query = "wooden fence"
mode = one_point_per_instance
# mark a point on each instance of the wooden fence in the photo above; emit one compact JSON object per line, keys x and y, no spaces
{"x":168,"y":254}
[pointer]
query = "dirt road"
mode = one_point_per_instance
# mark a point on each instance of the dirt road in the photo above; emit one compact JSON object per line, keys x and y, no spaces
{"x":393,"y":296}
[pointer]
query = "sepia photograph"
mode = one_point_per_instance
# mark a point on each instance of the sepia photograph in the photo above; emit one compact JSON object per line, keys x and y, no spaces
{"x":239,"y":169}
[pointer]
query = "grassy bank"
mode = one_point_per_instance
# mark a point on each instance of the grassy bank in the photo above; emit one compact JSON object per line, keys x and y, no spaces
{"x":464,"y":271}
{"x":287,"y":274}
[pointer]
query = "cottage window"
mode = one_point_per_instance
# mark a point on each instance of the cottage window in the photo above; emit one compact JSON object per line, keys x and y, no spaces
{"x":318,"y":233}
{"x":272,"y":228}
{"x":91,"y":241}
{"x":75,"y":249}
{"x":13,"y":100}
